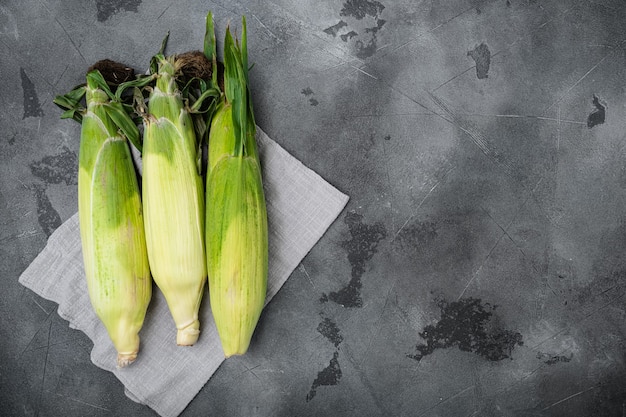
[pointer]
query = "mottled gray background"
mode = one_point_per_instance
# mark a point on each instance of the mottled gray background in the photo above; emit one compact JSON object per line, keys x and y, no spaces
{"x":479,"y":267}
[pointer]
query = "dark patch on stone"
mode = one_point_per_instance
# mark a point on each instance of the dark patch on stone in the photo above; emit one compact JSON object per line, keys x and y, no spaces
{"x":468,"y":325}
{"x":365,"y":41}
{"x":361,"y":248}
{"x":12,"y":139}
{"x":388,"y":137}
{"x":368,"y":48}
{"x":330,"y":331}
{"x":107,"y":8}
{"x":55,"y":169}
{"x":482,"y":57}
{"x":508,"y":3}
{"x":349,"y":296}
{"x":417,"y":234}
{"x":334,"y":29}
{"x":597,"y":116}
{"x":365,"y":50}
{"x":32,"y":108}
{"x":361,"y":8}
{"x":553,"y":359}
{"x":47,"y":216}
{"x":52,"y":169}
{"x":326,"y":377}
{"x":308,"y":92}
{"x":379,"y":25}
{"x":346,"y":36}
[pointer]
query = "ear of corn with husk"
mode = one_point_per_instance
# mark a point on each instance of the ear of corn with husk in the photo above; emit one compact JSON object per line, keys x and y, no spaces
{"x":236,"y":218}
{"x":176,"y":222}
{"x":173,"y":198}
{"x":111,"y":221}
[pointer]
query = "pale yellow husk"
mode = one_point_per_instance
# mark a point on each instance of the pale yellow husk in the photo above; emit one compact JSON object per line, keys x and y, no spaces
{"x":112,"y":229}
{"x":173,"y":197}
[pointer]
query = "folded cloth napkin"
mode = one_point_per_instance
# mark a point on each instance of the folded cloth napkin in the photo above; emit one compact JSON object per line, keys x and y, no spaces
{"x":300,"y":208}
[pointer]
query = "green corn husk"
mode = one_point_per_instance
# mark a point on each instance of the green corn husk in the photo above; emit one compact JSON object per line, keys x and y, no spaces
{"x":173,"y":198}
{"x":236,"y":218}
{"x":111,"y":220}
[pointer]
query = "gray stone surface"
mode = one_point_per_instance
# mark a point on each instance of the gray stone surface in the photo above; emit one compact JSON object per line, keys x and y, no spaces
{"x":479,"y":267}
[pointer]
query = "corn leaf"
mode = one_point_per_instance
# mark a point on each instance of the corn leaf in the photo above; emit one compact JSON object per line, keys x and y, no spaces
{"x":71,"y":104}
{"x":235,"y":86}
{"x":210,"y":45}
{"x":141,"y":81}
{"x":122,"y":120}
{"x":95,"y":78}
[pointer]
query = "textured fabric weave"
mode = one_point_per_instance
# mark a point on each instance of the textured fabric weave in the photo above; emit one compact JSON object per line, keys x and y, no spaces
{"x":300,"y":208}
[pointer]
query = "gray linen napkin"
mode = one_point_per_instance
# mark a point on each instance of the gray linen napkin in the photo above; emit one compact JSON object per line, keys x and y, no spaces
{"x":300,"y":208}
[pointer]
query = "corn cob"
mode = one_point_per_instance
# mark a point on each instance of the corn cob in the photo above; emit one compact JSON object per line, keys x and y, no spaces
{"x":173,"y":198}
{"x":236,"y":219}
{"x":111,"y":222}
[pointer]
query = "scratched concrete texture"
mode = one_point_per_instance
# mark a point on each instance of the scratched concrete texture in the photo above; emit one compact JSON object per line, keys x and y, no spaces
{"x":479,"y":268}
